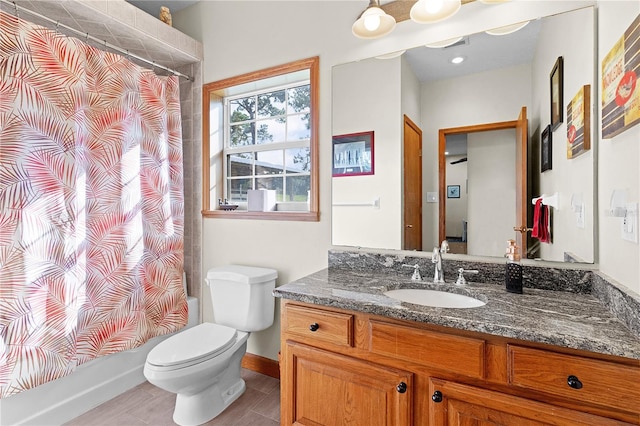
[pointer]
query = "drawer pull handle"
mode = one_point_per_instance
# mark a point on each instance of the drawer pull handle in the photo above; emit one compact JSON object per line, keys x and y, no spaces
{"x":402,"y":387}
{"x":574,"y":383}
{"x":314,"y":326}
{"x":437,"y":396}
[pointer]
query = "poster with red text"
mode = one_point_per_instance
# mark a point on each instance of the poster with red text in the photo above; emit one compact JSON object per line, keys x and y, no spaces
{"x":620,"y":88}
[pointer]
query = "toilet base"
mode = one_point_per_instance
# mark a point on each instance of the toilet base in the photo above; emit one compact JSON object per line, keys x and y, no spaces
{"x":197,"y":409}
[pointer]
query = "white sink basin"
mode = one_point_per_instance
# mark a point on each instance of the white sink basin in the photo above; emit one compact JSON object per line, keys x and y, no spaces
{"x":434,"y":298}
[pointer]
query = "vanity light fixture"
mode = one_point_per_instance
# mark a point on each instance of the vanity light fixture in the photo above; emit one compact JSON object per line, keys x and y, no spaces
{"x":457,"y":60}
{"x":507,"y":29}
{"x":373,"y":22}
{"x":430,"y":11}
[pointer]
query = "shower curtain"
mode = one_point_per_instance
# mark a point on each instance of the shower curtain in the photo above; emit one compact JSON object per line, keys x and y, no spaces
{"x":91,"y":205}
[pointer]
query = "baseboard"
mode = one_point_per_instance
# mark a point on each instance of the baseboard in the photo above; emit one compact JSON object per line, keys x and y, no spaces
{"x":261,"y":365}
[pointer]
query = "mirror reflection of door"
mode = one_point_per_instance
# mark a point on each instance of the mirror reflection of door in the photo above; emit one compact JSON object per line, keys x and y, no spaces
{"x":412,"y":178}
{"x":492,"y":183}
{"x":457,"y":206}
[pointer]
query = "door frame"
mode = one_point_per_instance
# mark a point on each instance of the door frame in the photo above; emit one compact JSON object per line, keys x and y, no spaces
{"x":442,"y":169}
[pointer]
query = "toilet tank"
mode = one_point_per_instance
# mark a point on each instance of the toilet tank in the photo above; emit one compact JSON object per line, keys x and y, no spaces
{"x":242,"y":296}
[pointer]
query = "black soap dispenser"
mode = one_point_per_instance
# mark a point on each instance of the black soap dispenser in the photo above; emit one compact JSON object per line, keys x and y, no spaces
{"x":513,"y":272}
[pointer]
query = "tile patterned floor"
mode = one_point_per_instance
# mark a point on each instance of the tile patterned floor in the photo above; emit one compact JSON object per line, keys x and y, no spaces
{"x":148,"y":405}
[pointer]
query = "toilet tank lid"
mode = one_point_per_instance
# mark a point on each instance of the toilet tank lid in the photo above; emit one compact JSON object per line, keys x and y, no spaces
{"x":242,"y":274}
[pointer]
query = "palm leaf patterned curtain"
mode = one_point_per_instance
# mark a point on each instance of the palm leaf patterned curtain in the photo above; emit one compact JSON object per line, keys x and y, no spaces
{"x":91,"y":205}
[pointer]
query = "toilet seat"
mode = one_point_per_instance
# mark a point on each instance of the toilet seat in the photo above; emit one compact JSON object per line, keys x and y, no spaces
{"x":192,"y":346}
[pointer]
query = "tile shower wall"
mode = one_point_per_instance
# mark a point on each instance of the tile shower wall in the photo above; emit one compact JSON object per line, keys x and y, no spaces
{"x":191,"y":105}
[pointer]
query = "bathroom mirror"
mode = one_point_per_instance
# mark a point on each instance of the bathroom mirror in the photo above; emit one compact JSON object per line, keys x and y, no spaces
{"x":420,"y":96}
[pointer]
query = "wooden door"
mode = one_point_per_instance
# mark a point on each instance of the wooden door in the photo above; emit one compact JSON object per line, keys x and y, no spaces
{"x":412,"y":186}
{"x":324,"y":389}
{"x":463,"y":405}
{"x":522,"y":139}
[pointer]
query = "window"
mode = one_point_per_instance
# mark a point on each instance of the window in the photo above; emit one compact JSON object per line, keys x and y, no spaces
{"x":261,"y":133}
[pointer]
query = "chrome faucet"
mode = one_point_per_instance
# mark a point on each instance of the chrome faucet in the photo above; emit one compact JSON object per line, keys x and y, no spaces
{"x":416,"y":272}
{"x":436,"y":259}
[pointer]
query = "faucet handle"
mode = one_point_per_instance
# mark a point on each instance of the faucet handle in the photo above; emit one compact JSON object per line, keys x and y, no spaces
{"x":444,"y":247}
{"x":461,"y":280}
{"x":416,"y":272}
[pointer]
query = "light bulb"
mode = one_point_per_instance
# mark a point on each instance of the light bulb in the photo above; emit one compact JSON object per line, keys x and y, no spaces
{"x":372,"y":22}
{"x":433,"y":6}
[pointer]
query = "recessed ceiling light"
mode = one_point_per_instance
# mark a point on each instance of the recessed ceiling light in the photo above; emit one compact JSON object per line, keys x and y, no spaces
{"x":457,"y":60}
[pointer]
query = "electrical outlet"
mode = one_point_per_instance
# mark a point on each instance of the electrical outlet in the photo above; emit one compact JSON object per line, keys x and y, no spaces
{"x":630,"y":223}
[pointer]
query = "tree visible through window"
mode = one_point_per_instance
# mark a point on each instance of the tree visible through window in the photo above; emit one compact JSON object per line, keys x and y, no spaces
{"x":268,"y":143}
{"x":261,"y":133}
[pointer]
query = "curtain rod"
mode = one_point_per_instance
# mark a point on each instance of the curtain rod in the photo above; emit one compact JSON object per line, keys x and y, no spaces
{"x":104,"y":43}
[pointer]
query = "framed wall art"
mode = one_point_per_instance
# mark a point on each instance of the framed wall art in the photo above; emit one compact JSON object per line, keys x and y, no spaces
{"x":579,"y":123}
{"x":556,"y":85}
{"x":546,"y":149}
{"x":453,"y":191}
{"x":620,"y":88}
{"x":353,"y":154}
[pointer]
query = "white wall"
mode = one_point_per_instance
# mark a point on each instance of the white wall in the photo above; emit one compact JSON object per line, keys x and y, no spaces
{"x":236,"y":42}
{"x":492,"y":191}
{"x":476,"y":99}
{"x":618,"y":160}
{"x":366,"y":97}
{"x":567,"y":176}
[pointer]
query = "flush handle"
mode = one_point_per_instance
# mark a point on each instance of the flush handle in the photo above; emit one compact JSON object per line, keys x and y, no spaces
{"x":314,"y":326}
{"x":574,"y":382}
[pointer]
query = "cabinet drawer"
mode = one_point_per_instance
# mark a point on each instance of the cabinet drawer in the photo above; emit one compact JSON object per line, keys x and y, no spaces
{"x":319,"y":325}
{"x":599,"y":382}
{"x":463,"y":355}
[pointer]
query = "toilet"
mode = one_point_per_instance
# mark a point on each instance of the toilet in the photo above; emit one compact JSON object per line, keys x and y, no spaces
{"x":201,"y":365}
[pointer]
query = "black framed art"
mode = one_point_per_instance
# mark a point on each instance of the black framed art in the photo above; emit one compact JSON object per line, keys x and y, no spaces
{"x":556,"y":86}
{"x":453,"y":191}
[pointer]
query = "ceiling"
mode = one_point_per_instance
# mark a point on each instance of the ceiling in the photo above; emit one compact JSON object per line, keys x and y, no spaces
{"x":482,"y":52}
{"x":152,"y":7}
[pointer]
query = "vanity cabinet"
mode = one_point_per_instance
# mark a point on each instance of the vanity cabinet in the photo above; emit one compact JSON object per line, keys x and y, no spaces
{"x":342,"y":367}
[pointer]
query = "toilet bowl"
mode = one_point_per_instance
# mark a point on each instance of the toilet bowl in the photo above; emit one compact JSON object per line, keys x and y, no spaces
{"x":202,"y":364}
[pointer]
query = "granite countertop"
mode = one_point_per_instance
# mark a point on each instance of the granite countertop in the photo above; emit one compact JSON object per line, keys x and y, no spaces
{"x":566,"y":319}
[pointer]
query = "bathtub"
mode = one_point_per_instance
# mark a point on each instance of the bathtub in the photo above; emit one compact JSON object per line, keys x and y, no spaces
{"x":90,"y":385}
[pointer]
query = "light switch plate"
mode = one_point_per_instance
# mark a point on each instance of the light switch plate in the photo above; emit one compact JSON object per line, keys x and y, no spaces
{"x":580,"y":218}
{"x":432,"y":197}
{"x":630,"y":223}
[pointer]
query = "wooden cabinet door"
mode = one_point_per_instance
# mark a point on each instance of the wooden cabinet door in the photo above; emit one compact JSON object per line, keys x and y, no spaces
{"x":322,"y":388}
{"x":463,"y":405}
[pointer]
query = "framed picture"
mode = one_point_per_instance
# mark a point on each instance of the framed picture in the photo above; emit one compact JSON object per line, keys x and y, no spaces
{"x":546,"y":149}
{"x":579,"y":123}
{"x":620,"y":88}
{"x":353,"y":154}
{"x":453,"y":191}
{"x":556,"y":84}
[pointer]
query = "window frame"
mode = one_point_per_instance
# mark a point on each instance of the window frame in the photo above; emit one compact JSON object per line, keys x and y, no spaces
{"x":313,"y":215}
